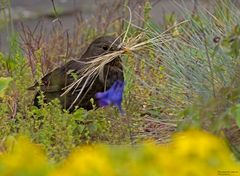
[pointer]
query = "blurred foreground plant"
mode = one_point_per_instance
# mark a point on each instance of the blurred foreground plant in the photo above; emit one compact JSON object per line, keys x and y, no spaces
{"x":22,"y":158}
{"x":190,"y":153}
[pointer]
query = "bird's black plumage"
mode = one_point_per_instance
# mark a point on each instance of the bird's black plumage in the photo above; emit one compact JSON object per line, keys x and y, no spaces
{"x":53,"y":84}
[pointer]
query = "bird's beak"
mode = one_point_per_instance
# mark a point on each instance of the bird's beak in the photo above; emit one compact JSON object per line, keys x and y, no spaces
{"x":121,"y":47}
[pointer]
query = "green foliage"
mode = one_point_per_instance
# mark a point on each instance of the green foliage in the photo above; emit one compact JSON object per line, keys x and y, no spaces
{"x":4,"y":82}
{"x":226,"y":87}
{"x":205,"y":58}
{"x":235,"y":110}
{"x":56,"y":130}
{"x":200,"y":57}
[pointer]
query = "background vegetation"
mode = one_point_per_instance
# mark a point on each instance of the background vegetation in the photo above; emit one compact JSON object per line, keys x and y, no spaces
{"x":186,"y":77}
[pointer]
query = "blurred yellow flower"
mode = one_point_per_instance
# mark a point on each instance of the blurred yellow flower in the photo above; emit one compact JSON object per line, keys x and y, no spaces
{"x":197,"y":153}
{"x":23,"y":158}
{"x":88,"y":160}
{"x":190,"y":153}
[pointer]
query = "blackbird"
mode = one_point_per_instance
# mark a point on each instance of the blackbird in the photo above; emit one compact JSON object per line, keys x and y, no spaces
{"x":53,"y":85}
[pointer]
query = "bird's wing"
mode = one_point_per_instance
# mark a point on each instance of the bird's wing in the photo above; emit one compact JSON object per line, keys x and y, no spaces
{"x":59,"y":78}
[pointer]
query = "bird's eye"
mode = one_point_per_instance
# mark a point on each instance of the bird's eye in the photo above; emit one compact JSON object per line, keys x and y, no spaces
{"x":105,"y":47}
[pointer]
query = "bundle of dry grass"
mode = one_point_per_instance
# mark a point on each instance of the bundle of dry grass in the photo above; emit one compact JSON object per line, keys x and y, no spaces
{"x":95,"y":68}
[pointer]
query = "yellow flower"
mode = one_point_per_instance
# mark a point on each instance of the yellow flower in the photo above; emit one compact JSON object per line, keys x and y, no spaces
{"x":197,"y":153}
{"x":23,"y":158}
{"x":86,"y":161}
{"x":194,"y":153}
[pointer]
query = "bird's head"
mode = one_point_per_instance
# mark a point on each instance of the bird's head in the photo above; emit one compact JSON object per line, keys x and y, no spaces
{"x":113,"y":69}
{"x":102,"y":45}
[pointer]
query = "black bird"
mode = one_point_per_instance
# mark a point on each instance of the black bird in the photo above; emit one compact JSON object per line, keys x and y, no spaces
{"x":53,"y":85}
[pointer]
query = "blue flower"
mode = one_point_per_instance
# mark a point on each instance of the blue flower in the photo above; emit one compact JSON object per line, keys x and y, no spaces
{"x":112,"y":96}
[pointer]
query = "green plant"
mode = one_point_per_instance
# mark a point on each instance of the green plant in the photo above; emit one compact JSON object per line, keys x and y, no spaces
{"x":202,"y":68}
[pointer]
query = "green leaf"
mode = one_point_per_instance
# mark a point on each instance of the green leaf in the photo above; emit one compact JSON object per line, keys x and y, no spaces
{"x":236,"y":113}
{"x":4,"y":84}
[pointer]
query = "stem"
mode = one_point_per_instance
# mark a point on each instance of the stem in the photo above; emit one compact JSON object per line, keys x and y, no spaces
{"x":209,"y":64}
{"x":129,"y":129}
